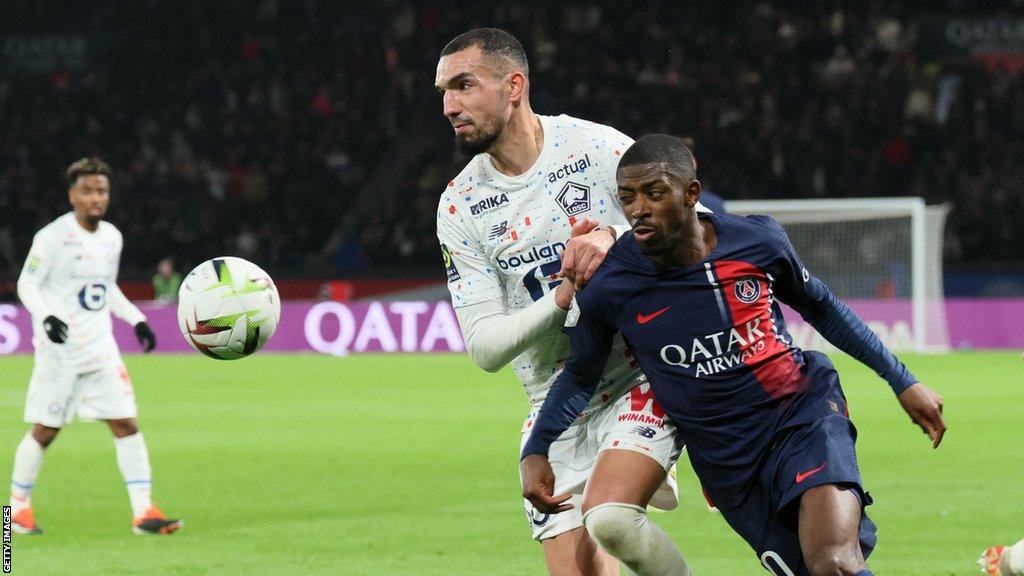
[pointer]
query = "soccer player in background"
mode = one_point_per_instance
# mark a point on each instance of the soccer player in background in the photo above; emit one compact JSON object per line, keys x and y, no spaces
{"x":69,"y":285}
{"x":502,"y":223}
{"x":1003,"y":560}
{"x":766,"y":424}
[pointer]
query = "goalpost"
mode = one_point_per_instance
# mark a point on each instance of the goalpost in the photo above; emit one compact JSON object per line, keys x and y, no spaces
{"x":882,"y":256}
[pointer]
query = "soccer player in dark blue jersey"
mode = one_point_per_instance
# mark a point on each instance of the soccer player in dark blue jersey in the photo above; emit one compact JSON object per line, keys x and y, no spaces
{"x":696,"y":296}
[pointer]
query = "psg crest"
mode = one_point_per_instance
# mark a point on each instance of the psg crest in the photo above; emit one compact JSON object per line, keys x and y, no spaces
{"x":748,"y":289}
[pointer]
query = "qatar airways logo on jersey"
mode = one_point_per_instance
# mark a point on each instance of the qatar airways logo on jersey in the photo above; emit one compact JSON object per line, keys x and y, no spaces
{"x":537,"y":255}
{"x":718,"y":352}
{"x":489,"y":204}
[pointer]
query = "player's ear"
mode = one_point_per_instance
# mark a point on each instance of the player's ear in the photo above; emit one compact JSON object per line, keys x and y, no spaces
{"x":516,"y":87}
{"x":692,"y":192}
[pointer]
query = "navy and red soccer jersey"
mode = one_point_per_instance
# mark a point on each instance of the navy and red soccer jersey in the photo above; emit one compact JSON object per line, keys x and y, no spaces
{"x":712,"y":341}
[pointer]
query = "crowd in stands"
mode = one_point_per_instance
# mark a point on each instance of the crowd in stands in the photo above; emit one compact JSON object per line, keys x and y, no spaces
{"x":253,"y":128}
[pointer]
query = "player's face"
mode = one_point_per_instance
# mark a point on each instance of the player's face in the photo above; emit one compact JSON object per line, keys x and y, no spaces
{"x":475,"y":97}
{"x":659,"y":203}
{"x":90,"y":196}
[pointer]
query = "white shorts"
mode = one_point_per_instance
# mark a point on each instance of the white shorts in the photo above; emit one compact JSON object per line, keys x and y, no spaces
{"x":634,"y":422}
{"x":57,"y":394}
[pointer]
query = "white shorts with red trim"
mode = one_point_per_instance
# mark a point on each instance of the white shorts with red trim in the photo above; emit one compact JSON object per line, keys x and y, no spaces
{"x":56,"y":395}
{"x":634,"y":422}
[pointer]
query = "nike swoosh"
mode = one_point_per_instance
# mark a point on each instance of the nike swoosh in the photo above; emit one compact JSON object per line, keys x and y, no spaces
{"x":801,"y":476}
{"x":644,"y":319}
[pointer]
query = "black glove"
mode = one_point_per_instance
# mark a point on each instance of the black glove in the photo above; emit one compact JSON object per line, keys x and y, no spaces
{"x":146,"y":337}
{"x":56,"y":330}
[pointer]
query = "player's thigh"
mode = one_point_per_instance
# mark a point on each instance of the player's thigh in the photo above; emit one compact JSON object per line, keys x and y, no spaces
{"x":623,"y":476}
{"x":637,"y":447}
{"x":107,"y":394}
{"x":818,"y":462}
{"x":829,"y":526}
{"x":575,"y":553}
{"x":53,"y":393}
{"x":821,"y":454}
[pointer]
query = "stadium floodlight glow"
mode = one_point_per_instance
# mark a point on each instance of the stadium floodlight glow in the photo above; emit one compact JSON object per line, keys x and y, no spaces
{"x":871,"y":250}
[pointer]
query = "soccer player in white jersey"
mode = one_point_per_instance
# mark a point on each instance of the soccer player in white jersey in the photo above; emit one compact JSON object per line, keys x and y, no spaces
{"x":69,"y":285}
{"x":503,"y":222}
{"x":1003,"y":560}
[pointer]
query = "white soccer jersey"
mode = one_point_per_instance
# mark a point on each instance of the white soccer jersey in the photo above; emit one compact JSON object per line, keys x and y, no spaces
{"x":501,"y":237}
{"x":71,"y":273}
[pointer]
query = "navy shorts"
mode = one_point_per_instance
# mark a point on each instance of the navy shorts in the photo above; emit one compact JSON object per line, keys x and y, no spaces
{"x":800,"y":459}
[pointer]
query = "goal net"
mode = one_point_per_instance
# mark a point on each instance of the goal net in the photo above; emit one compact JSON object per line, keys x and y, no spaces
{"x":882,"y":256}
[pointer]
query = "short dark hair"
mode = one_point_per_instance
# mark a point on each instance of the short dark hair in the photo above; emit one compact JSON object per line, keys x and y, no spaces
{"x":493,"y":42}
{"x":655,"y":148}
{"x":86,"y":167}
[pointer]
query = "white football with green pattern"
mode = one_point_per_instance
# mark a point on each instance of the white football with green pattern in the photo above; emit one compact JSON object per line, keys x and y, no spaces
{"x":228,"y":308}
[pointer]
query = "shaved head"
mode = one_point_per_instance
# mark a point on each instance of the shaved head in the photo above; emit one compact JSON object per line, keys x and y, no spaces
{"x":496,"y":44}
{"x":663,"y":149}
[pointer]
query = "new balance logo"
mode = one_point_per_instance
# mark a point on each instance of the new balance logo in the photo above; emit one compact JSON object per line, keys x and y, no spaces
{"x":498,"y":230}
{"x":645,"y":431}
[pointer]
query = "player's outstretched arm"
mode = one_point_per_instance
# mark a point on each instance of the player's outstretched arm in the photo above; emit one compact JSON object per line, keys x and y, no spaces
{"x":845,"y":330}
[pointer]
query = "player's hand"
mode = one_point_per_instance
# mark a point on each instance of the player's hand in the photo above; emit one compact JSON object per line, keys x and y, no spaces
{"x":585,"y":251}
{"x":924,"y":406}
{"x":564,"y":294}
{"x":538,"y":484}
{"x":145,"y":335}
{"x":56,"y":329}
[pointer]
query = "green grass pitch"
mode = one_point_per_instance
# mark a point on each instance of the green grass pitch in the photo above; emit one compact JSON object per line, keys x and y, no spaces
{"x":381,"y":465}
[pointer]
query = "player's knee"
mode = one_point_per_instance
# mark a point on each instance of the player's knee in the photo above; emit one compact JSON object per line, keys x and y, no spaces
{"x":616,"y":527}
{"x":44,"y":435}
{"x":833,"y":563}
{"x":123,"y":428}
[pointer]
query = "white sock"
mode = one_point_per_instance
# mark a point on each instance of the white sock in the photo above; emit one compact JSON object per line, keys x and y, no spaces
{"x":1012,"y":561}
{"x":625,"y":532}
{"x":133,"y":460}
{"x":28,"y":458}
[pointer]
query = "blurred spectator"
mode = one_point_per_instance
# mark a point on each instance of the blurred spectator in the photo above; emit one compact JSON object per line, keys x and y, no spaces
{"x":166,"y":281}
{"x":308,"y":136}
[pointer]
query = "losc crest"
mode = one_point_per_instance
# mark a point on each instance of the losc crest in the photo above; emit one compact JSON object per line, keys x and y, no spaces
{"x":574,"y":198}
